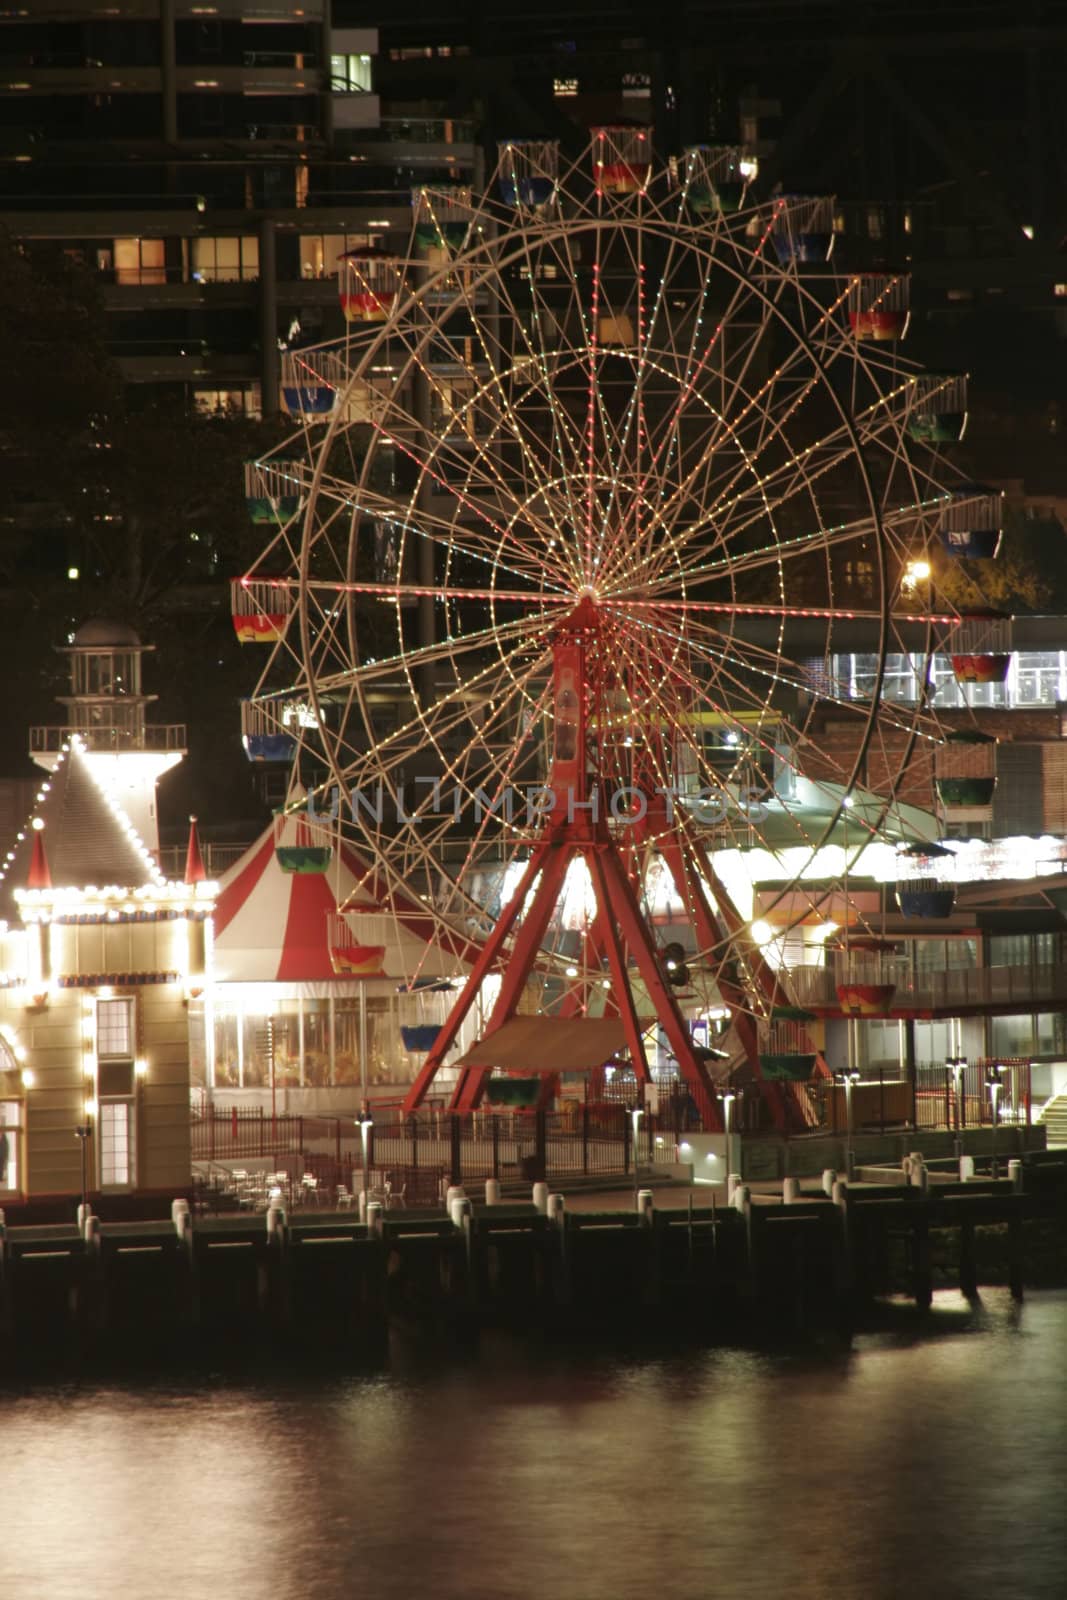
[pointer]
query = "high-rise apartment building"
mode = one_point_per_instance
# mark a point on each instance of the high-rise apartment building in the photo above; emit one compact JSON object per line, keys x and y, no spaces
{"x":210,"y":161}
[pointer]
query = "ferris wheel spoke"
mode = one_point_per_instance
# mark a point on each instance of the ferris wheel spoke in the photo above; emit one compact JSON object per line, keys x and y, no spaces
{"x":727,"y":518}
{"x":730,"y":654}
{"x":496,"y":634}
{"x":499,"y":393}
{"x":695,"y":366}
{"x":451,"y":454}
{"x":501,"y":546}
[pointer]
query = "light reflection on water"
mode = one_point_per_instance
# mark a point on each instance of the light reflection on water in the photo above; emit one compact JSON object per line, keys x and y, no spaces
{"x":910,"y":1467}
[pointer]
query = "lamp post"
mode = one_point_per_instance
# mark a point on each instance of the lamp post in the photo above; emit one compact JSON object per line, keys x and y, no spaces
{"x":726,"y":1100}
{"x":83,"y":1132}
{"x":956,"y":1066}
{"x":849,"y":1078}
{"x":636,"y":1114}
{"x":994,"y":1085}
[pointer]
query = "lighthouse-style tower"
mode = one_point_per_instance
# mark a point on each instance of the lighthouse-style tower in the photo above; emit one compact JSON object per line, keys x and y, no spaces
{"x":106,"y":708}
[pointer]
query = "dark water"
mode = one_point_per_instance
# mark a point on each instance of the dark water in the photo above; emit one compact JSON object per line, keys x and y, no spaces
{"x":912,"y":1466}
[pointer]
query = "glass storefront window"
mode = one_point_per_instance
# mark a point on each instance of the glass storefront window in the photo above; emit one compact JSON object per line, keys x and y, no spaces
{"x":1035,"y":677}
{"x":297,"y":1038}
{"x":1051,"y":1031}
{"x":1012,"y":1036}
{"x":944,"y":955}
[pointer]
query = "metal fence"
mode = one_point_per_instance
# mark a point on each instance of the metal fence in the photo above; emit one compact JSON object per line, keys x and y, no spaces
{"x":596,"y":1139}
{"x":587,"y":1140}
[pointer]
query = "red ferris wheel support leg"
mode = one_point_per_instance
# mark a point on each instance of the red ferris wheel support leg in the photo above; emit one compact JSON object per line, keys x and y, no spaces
{"x":688,"y":884}
{"x":693,"y":864}
{"x":617,"y":963}
{"x":557,"y":852}
{"x":488,"y":955}
{"x":623,"y":902}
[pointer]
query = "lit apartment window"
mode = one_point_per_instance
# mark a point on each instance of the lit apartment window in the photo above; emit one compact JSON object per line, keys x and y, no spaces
{"x":319,"y":252}
{"x":636,"y":85}
{"x":229,"y":402}
{"x":139,"y":261}
{"x":226,"y":260}
{"x":350,"y":74}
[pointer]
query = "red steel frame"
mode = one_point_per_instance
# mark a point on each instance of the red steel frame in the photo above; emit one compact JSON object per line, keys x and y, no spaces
{"x":577,"y":826}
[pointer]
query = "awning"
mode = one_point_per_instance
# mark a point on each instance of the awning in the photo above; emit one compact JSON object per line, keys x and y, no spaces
{"x":548,"y":1044}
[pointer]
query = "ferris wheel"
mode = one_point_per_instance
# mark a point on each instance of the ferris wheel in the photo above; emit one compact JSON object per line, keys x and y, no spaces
{"x":598,"y":534}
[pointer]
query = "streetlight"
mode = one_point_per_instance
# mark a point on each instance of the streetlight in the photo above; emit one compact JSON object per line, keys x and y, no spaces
{"x":636,"y":1113}
{"x":364,"y":1122}
{"x":994,"y":1085}
{"x":915,"y":573}
{"x":956,"y":1066}
{"x":848,"y":1079}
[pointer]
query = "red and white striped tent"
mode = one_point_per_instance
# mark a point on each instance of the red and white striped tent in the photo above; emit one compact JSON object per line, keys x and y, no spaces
{"x":273,"y":926}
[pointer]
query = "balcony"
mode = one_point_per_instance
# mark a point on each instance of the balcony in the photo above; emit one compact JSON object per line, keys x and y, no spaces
{"x":949,"y":993}
{"x":130,"y":10}
{"x":158,"y":738}
{"x":416,"y":141}
{"x":354,"y":109}
{"x":151,"y":362}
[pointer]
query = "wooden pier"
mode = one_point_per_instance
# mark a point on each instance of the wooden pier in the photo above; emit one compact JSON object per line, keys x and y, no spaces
{"x":780,"y":1263}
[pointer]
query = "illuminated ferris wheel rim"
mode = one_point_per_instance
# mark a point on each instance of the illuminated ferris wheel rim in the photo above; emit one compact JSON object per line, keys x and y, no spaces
{"x":784,"y":297}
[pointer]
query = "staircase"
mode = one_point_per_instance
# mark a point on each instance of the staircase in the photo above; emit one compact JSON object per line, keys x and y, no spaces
{"x":1054,"y":1118}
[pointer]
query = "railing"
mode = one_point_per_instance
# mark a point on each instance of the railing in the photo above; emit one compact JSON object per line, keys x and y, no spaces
{"x":591,"y":1139}
{"x":588,"y":1140}
{"x":419,"y":130}
{"x":955,"y":986}
{"x":217,"y":858}
{"x":158,"y":736}
{"x":279,"y":58}
{"x":882,"y":1101}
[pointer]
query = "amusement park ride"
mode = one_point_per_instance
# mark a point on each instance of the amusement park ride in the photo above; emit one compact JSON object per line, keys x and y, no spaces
{"x":606,"y":473}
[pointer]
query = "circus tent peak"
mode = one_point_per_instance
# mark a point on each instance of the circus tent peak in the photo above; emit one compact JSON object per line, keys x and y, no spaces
{"x":273,"y":926}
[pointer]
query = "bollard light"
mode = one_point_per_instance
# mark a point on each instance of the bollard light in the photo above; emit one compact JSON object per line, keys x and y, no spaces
{"x":956,"y":1065}
{"x":848,"y":1079}
{"x":726,"y":1098}
{"x":636,"y":1113}
{"x":364,"y":1122}
{"x":994,"y":1086}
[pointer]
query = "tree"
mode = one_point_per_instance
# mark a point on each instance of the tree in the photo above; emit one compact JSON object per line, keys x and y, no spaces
{"x":1027,"y":575}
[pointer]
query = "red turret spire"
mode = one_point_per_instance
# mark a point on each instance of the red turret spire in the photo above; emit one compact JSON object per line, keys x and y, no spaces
{"x":39,"y":876}
{"x":194,"y":861}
